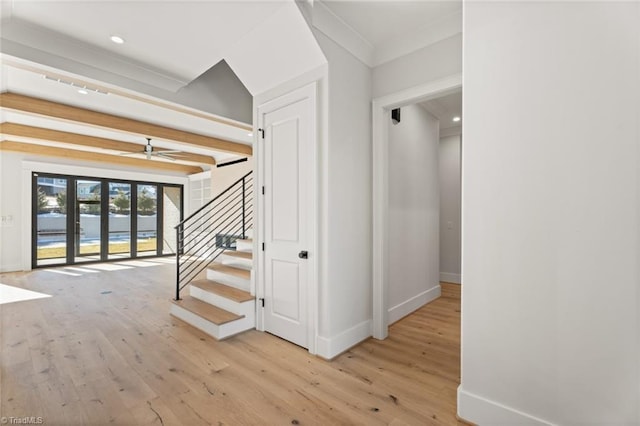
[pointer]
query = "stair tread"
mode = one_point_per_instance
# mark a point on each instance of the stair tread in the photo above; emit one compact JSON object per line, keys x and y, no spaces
{"x":209,"y":312}
{"x":225,"y":291}
{"x":239,"y":254}
{"x":230,"y":270}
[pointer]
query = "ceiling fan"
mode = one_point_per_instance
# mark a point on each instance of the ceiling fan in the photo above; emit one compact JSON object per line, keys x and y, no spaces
{"x":149,"y":151}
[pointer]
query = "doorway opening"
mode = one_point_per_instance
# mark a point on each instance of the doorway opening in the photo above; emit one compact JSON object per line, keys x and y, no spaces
{"x":406,"y":198}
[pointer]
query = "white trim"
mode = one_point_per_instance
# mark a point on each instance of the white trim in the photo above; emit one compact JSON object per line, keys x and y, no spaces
{"x":329,"y":348}
{"x":450,"y":277}
{"x":380,"y":205}
{"x":482,"y":411}
{"x":307,"y":91}
{"x":403,"y":309}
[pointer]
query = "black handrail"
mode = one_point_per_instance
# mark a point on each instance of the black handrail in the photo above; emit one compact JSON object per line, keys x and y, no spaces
{"x":229,"y":213}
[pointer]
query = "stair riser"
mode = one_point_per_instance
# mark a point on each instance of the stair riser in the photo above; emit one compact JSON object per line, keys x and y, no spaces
{"x":236,"y":262}
{"x":216,"y":331}
{"x":230,"y":280}
{"x":239,"y":308}
{"x":244,"y":246}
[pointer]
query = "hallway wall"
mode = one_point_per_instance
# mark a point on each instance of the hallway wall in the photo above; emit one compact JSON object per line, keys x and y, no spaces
{"x":551,"y":213}
{"x":414,"y":209}
{"x":450,"y":209}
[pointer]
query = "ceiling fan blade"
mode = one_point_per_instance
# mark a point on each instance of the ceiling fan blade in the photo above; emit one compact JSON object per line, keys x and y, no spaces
{"x":169,"y":152}
{"x":129,"y":153}
{"x":162,"y":155}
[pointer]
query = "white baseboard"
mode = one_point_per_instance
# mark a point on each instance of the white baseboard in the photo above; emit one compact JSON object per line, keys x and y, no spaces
{"x":482,"y":411}
{"x":11,"y":268}
{"x":330,"y":347}
{"x":449,"y":277}
{"x":403,"y":309}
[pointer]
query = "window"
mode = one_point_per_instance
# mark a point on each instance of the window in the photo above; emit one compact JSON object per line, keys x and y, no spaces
{"x":78,"y":219}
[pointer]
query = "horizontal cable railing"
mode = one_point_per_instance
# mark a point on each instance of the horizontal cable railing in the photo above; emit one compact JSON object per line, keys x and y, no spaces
{"x":212,"y":229}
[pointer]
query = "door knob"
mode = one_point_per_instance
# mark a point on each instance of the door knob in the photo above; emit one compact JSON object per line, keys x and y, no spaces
{"x":303,"y":254}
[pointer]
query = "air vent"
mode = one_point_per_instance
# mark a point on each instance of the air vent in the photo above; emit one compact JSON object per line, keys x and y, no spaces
{"x":76,"y":85}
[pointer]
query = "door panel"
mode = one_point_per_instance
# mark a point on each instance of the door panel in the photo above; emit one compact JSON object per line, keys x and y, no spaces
{"x":88,"y":220}
{"x":286,"y":295}
{"x":287,"y":144}
{"x":284,"y":180}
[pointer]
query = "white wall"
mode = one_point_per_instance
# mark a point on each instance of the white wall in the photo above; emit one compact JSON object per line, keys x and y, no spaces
{"x":224,"y":177}
{"x":15,"y":197}
{"x":11,"y":237}
{"x":430,"y":63}
{"x":345,"y":306}
{"x":450,"y":204}
{"x":414,"y":203}
{"x":551,"y":213}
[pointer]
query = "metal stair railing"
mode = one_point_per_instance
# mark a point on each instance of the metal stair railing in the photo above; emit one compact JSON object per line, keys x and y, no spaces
{"x":213,"y":229}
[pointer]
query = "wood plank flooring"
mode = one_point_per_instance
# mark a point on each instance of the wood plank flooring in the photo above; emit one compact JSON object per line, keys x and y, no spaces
{"x":104,"y":350}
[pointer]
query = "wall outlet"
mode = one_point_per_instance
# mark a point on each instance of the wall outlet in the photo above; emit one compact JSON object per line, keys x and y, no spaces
{"x":6,"y":221}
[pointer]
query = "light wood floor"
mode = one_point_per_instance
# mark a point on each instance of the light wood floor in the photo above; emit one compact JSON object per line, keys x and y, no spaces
{"x":104,"y":350}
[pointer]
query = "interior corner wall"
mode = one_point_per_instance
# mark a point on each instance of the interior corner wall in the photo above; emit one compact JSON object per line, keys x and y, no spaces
{"x":551,"y":213}
{"x":430,"y":63}
{"x":414,"y":209}
{"x":346,"y":306}
{"x":450,"y":212}
{"x":11,"y":238}
{"x":224,"y":177}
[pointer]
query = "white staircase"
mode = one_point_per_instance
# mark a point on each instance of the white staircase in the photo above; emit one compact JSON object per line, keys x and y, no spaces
{"x":221,"y":305}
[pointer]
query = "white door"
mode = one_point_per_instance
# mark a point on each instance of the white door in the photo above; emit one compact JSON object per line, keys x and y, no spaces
{"x":288,"y":141}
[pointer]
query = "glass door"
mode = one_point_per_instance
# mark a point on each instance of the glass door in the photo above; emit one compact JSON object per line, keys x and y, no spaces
{"x":119,"y":220}
{"x":87,"y":219}
{"x":88,"y":212}
{"x":50,"y":211}
{"x":147,"y":220}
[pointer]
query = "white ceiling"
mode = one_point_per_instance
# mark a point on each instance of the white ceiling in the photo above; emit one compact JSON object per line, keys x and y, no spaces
{"x":175,"y":38}
{"x":170,"y":43}
{"x":445,"y":108}
{"x":379,"y":21}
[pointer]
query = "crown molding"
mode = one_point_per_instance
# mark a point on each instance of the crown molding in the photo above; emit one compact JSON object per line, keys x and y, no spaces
{"x":331,"y":25}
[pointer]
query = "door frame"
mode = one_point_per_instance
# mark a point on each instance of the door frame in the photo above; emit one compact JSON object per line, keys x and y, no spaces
{"x":308,"y":91}
{"x":381,"y":115}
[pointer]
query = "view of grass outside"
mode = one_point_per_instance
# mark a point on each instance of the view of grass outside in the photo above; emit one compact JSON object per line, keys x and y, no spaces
{"x":147,"y":244}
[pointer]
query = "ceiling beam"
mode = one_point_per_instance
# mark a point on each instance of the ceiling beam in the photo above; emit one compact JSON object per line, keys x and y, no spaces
{"x":48,"y":151}
{"x":14,"y":129}
{"x":28,"y":104}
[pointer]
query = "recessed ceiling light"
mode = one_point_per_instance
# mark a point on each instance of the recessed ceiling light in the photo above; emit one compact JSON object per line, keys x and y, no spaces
{"x":117,"y":39}
{"x":83,"y":92}
{"x":456,"y":119}
{"x":250,"y":135}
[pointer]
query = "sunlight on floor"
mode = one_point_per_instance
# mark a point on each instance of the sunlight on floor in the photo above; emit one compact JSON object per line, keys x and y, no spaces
{"x":76,"y":271}
{"x":9,"y":294}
